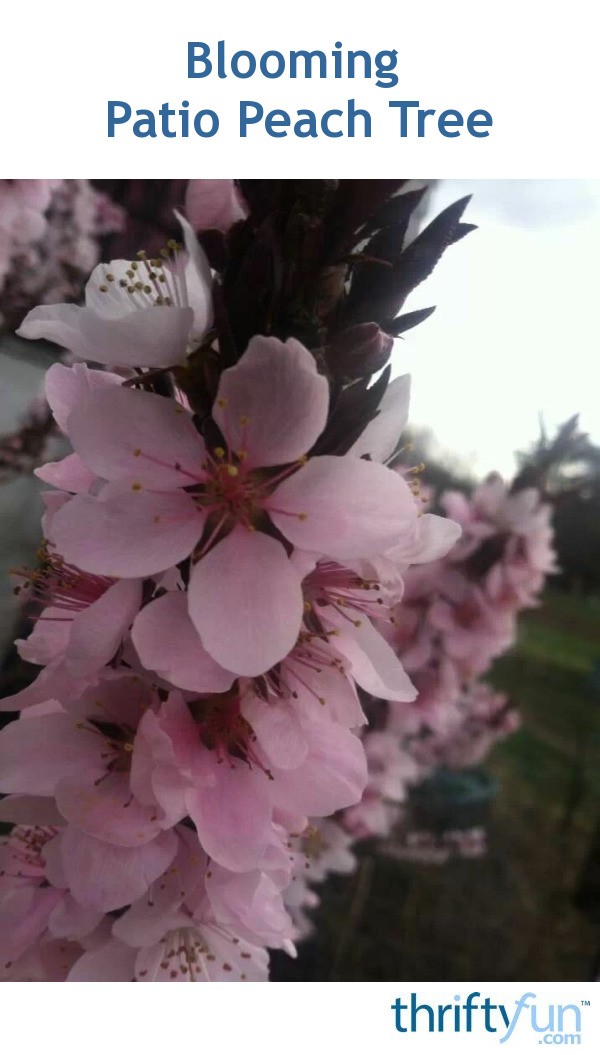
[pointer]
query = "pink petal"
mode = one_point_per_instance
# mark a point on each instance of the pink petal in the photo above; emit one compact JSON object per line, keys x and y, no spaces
{"x":54,"y":863}
{"x":70,"y":474}
{"x":149,"y":918}
{"x":143,"y":925}
{"x":167,"y":642}
{"x":326,"y":693}
{"x":153,"y":337}
{"x":122,"y":700}
{"x":113,"y":962}
{"x":68,"y":386}
{"x":97,"y":631}
{"x":245,"y":601}
{"x":48,"y":639}
{"x":126,"y":533}
{"x":273,"y":403}
{"x":47,"y":961}
{"x":108,"y":877}
{"x":163,"y":746}
{"x":53,"y":501}
{"x":333,"y":775}
{"x":108,"y":811}
{"x":36,"y":754}
{"x":342,"y":507}
{"x":52,"y":683}
{"x":24,"y":913}
{"x":277,"y":729}
{"x":71,"y":920}
{"x":435,"y":537}
{"x":371,"y":661}
{"x":125,"y":434}
{"x":250,"y":905}
{"x":231,"y":808}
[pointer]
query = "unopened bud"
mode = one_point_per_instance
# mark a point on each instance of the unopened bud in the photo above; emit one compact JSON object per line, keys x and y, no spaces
{"x":214,"y":204}
{"x":359,"y":351}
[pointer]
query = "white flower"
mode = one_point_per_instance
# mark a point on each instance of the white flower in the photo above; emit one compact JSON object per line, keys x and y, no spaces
{"x":141,"y":313}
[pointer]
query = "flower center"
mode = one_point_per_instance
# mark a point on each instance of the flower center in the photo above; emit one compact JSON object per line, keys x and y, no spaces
{"x":312,"y":842}
{"x":232,"y":493}
{"x":118,"y":740}
{"x":187,"y":954}
{"x":223,"y":729}
{"x":229,"y":490}
{"x":332,"y":584}
{"x":157,"y":282}
{"x":56,"y":584}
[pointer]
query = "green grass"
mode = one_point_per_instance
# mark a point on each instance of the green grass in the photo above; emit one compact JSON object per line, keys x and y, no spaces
{"x":511,"y":915}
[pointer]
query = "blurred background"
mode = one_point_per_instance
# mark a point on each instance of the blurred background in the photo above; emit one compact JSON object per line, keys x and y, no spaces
{"x":510,"y":355}
{"x":504,"y":370}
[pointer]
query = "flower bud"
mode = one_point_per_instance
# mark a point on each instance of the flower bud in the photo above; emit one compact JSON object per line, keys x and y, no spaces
{"x":214,"y":204}
{"x":359,"y":351}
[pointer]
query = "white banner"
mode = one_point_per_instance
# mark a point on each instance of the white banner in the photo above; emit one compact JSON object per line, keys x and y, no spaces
{"x":357,"y":1019}
{"x":271,"y":89}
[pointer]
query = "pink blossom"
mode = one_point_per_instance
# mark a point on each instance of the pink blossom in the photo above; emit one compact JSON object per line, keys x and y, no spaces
{"x":33,"y":910}
{"x":26,"y":904}
{"x":323,"y":848}
{"x":216,"y":600}
{"x":190,"y":951}
{"x":250,"y":904}
{"x":83,"y":757}
{"x":207,"y":760}
{"x":482,"y":717}
{"x":169,"y":496}
{"x":173,"y":934}
{"x":83,"y":622}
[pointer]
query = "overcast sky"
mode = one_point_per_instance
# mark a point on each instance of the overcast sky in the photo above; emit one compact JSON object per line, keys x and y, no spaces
{"x":515,"y":333}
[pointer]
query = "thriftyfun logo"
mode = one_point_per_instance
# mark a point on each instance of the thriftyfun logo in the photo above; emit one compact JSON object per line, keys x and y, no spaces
{"x":552,"y":1023}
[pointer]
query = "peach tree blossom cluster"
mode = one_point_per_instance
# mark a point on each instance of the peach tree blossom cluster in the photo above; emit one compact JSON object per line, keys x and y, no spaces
{"x":225,"y":551}
{"x":455,"y":623}
{"x":457,"y":614}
